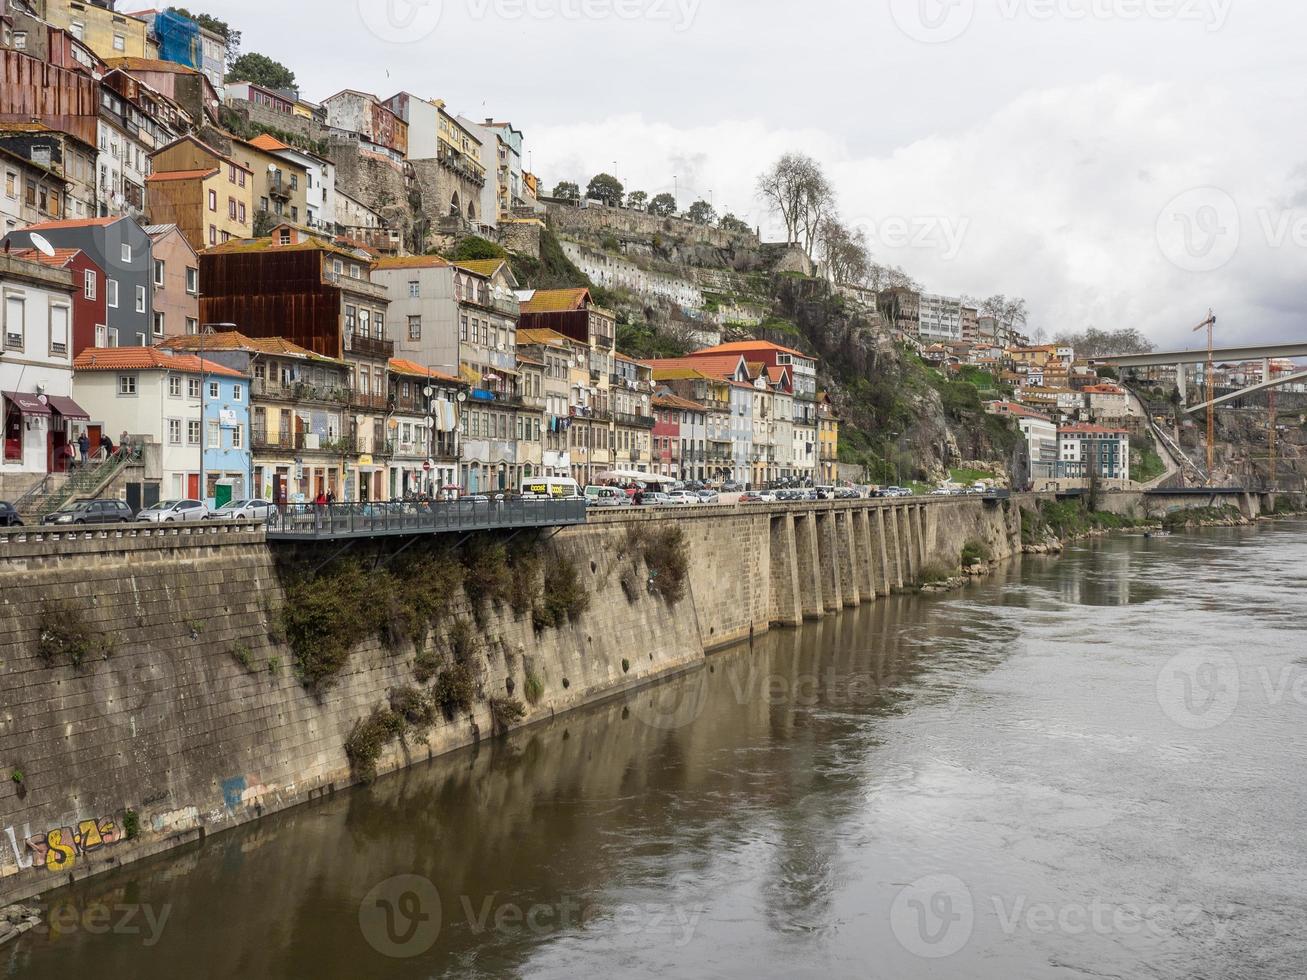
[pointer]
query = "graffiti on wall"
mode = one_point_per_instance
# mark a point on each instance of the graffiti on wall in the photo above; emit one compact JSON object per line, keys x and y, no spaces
{"x":59,"y":848}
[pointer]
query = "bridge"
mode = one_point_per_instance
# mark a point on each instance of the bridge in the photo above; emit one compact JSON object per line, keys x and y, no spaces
{"x":341,"y":522}
{"x":1178,"y":359}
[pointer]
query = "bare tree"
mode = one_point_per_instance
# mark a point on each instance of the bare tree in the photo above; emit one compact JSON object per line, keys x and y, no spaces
{"x":844,"y":252}
{"x":797,"y":190}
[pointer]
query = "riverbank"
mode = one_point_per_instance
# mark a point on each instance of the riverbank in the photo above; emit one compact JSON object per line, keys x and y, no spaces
{"x":184,"y":681}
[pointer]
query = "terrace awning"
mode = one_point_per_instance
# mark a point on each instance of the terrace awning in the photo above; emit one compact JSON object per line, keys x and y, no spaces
{"x":69,"y":409}
{"x":27,"y":404}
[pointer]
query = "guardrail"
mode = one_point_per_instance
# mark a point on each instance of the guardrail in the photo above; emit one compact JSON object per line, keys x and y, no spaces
{"x":361,"y":520}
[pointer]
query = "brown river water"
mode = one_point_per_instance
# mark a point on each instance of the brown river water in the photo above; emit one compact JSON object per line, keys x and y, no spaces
{"x":1081,"y":767}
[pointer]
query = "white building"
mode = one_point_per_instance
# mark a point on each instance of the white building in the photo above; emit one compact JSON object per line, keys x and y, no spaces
{"x":1087,"y":451}
{"x":161,"y":398}
{"x":939,"y":318}
{"x":615,"y":272}
{"x":1107,"y":402}
{"x":36,"y":305}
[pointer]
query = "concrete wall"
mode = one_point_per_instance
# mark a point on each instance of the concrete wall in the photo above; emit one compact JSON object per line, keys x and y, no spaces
{"x":162,"y":721}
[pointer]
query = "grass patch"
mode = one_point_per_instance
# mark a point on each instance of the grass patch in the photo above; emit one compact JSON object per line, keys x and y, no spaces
{"x":63,"y":636}
{"x":934,"y":575}
{"x":533,"y":690}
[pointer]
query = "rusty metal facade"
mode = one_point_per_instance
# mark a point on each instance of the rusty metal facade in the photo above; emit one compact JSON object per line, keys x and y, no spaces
{"x":33,"y":91}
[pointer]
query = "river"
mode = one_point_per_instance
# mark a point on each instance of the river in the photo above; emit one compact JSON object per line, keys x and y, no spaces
{"x":1084,"y":766}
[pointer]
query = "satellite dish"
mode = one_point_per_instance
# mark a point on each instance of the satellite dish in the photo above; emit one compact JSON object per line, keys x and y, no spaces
{"x":41,"y":245}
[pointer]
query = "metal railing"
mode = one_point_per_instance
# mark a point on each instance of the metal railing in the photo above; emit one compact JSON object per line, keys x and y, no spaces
{"x":359,"y":520}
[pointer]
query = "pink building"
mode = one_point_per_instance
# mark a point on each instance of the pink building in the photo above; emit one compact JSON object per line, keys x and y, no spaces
{"x":176,"y":277}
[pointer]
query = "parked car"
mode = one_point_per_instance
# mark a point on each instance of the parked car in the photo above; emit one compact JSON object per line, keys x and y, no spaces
{"x":91,"y":512}
{"x":683,"y":498}
{"x":756,"y":497}
{"x":8,"y":516}
{"x":653,"y":498}
{"x":941,"y":492}
{"x":847,"y":493}
{"x":707,"y":496}
{"x":171,"y":511}
{"x":243,"y":510}
{"x":606,"y":497}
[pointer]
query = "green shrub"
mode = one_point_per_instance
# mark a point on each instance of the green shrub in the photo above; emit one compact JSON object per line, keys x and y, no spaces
{"x":417,"y":708}
{"x":368,"y":738}
{"x":131,"y":825}
{"x":506,"y":712}
{"x":533,"y":689}
{"x":61,"y":635}
{"x":934,"y":575}
{"x":975,"y":553}
{"x":666,"y":555}
{"x":564,"y":596}
{"x":242,"y":656}
{"x":426,"y":664}
{"x":455,"y":689}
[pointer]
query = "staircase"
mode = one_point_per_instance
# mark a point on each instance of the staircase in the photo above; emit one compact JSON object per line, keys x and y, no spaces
{"x":48,"y":496}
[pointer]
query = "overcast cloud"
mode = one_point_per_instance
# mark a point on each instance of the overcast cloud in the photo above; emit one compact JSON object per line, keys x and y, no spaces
{"x":1120,"y":163}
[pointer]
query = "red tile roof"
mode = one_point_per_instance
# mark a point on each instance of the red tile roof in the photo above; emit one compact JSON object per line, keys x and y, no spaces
{"x":411,"y":262}
{"x":269,"y":143}
{"x":61,"y":257}
{"x":131,"y":64}
{"x":723,"y":366}
{"x":72,"y":223}
{"x":745,"y":346}
{"x":147,"y":359}
{"x":556,"y":300}
{"x":413,"y":369}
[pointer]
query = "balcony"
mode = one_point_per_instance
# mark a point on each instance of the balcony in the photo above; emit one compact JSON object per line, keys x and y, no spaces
{"x":263,"y":440}
{"x":299,"y":391}
{"x":371,"y":402}
{"x":635,"y":421}
{"x":278,"y":188}
{"x":369,"y":346}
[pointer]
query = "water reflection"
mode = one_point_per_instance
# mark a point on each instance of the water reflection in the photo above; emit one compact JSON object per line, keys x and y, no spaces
{"x":764,"y":814}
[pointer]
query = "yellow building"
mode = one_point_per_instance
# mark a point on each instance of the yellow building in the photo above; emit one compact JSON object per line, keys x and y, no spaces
{"x":280,"y":189}
{"x":207,"y":195}
{"x":828,"y":441}
{"x":108,"y":33}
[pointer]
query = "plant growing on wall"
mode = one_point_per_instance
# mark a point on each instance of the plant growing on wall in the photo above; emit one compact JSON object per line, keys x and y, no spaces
{"x":505,"y":713}
{"x":368,"y":738}
{"x":63,"y":636}
{"x":665,"y":555}
{"x":564,"y":596}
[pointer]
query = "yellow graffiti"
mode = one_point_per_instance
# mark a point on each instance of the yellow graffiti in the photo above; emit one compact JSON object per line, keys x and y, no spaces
{"x":59,"y":848}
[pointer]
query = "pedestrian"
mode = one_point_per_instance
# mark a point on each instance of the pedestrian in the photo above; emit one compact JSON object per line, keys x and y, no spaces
{"x":107,"y":445}
{"x":321,"y":499}
{"x":70,"y":457}
{"x":84,"y":444}
{"x":331,"y":497}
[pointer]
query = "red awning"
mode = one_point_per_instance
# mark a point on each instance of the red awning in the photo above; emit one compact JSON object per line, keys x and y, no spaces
{"x":69,"y":409}
{"x":27,"y":404}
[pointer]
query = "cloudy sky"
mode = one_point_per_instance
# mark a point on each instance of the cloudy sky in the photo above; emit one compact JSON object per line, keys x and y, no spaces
{"x":1119,"y":163}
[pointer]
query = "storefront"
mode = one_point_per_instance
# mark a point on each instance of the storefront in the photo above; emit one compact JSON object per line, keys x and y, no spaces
{"x":38,"y":430}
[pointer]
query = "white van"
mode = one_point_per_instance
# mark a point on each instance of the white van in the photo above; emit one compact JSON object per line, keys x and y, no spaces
{"x":606,"y":497}
{"x":552,"y":488}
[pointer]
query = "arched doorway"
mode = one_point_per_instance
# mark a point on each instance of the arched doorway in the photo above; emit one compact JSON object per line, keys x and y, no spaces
{"x":455,"y":207}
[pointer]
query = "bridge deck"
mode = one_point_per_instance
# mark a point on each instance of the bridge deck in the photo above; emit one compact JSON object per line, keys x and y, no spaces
{"x":311,"y":522}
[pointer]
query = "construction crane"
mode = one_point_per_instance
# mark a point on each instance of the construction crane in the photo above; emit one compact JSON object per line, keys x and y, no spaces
{"x":1210,"y":326}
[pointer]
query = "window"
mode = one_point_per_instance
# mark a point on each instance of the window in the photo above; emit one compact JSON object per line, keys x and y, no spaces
{"x":158,"y":324}
{"x":78,"y":30}
{"x":462,"y":328}
{"x":213,"y":391}
{"x":294,"y":182}
{"x":127,"y":254}
{"x":415,"y":328}
{"x":126,"y":384}
{"x":11,"y":185}
{"x":240,"y":178}
{"x":192,"y":281}
{"x":414,"y":290}
{"x":20,"y":40}
{"x":174,"y":432}
{"x":231,"y":209}
{"x":193,"y":432}
{"x":237,"y":393}
{"x":59,"y":318}
{"x":193,"y":388}
{"x":379,"y":324}
{"x":192,"y":326}
{"x":213,"y":234}
{"x":101,"y":336}
{"x":215,"y":436}
{"x":231,"y":173}
{"x":111,"y":293}
{"x":238,"y":437}
{"x":365,"y":327}
{"x":241,"y":212}
{"x":158,"y":272}
{"x":119,"y":42}
{"x":175,"y":391}
{"x":263,"y":204}
{"x":140,"y":299}
{"x":14,"y":321}
{"x":213,"y":200}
